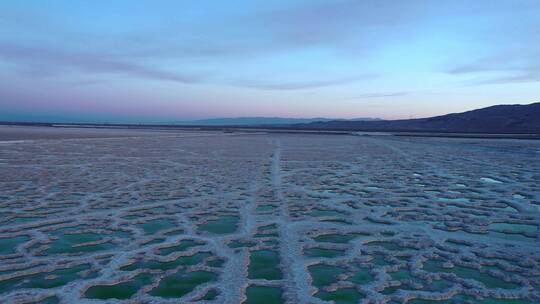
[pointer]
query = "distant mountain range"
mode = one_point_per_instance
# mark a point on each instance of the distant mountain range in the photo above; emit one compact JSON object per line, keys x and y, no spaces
{"x":503,"y":119}
{"x":500,"y":119}
{"x":262,"y":121}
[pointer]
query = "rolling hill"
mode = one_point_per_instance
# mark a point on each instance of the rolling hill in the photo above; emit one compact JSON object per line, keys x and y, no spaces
{"x":503,"y":119}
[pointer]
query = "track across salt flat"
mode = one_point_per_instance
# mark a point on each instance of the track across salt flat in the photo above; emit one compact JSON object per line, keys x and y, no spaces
{"x":269,"y":218}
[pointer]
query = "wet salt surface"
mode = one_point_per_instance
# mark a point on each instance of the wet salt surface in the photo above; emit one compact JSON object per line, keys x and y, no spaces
{"x":269,"y":218}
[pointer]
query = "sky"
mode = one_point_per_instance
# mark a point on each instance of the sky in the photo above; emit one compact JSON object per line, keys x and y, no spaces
{"x":167,"y":61}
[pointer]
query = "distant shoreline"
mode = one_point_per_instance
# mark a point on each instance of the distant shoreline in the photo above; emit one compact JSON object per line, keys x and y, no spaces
{"x":279,"y":129}
{"x":499,"y":121}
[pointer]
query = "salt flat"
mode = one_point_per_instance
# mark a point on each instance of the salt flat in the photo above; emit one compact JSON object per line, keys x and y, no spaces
{"x":169,"y":217}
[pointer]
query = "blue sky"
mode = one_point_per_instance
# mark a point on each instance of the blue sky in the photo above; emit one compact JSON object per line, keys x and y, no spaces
{"x":162,"y":61}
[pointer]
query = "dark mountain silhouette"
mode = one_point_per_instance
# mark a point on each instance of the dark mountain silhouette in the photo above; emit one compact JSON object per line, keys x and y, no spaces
{"x":503,"y":119}
{"x":500,"y":119}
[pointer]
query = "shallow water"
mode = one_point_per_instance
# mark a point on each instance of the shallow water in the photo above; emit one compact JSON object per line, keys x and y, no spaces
{"x":263,"y":294}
